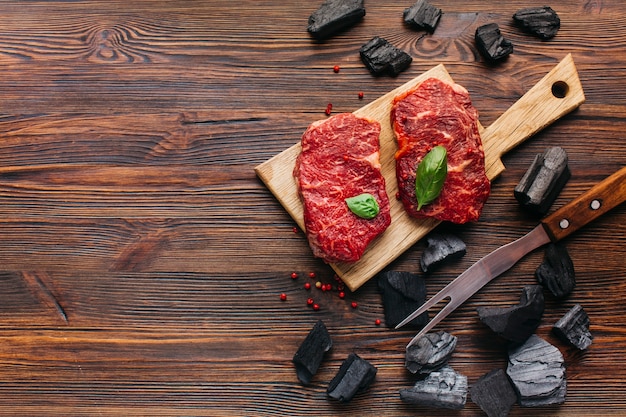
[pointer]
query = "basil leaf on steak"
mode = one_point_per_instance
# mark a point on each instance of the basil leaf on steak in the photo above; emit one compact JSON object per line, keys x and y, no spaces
{"x":430,"y":176}
{"x":363,"y":205}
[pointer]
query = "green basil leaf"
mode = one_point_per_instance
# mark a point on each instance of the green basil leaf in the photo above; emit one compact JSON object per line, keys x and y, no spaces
{"x":363,"y":205}
{"x":430,"y":176}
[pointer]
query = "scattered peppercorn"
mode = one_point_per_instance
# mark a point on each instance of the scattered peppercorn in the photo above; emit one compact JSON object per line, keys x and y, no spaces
{"x":336,"y":68}
{"x":377,"y":322}
{"x":283,"y":297}
{"x":342,"y":295}
{"x":318,"y":284}
{"x":360,"y":95}
{"x":316,"y":307}
{"x":309,"y":301}
{"x":329,"y":109}
{"x":307,"y":286}
{"x":294,"y":275}
{"x":354,"y":304}
{"x":295,"y":229}
{"x":311,"y":274}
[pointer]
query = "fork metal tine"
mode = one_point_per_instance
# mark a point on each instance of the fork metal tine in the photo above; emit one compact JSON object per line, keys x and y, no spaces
{"x":477,"y":276}
{"x":442,"y":314}
{"x":436,"y":299}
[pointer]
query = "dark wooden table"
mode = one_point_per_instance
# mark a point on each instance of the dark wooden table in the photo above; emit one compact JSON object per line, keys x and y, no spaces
{"x":142,"y":260}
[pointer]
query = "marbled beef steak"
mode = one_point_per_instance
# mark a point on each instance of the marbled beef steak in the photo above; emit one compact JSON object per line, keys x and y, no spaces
{"x":439,"y":113}
{"x":340,"y":159}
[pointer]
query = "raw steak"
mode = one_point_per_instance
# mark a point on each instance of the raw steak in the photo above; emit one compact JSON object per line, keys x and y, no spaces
{"x":438,"y":113}
{"x":340,"y":159}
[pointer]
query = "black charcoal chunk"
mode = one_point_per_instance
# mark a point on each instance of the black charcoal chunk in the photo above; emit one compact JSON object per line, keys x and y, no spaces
{"x":440,"y":389}
{"x":334,"y":16}
{"x":537,"y":371}
{"x":543,"y":181}
{"x":494,"y":394}
{"x":422,"y":15}
{"x":539,"y":21}
{"x":402,"y":294}
{"x":573,"y":328}
{"x":556,"y":273}
{"x":441,"y":248}
{"x":430,"y":352}
{"x":519,"y":322}
{"x":354,"y":375}
{"x":491,"y":44}
{"x":311,"y":352}
{"x":382,"y":58}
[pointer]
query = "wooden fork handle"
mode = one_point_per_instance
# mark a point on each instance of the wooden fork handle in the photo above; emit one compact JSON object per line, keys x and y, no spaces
{"x":601,"y":198}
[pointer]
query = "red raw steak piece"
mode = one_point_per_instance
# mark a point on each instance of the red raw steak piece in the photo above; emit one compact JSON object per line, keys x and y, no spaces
{"x":438,"y":113}
{"x":340,"y":159}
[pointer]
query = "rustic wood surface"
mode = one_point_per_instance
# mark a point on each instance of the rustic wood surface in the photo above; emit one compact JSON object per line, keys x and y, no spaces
{"x":142,"y":259}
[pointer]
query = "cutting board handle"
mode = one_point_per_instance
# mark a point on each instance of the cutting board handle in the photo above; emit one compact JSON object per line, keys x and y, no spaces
{"x":555,"y":95}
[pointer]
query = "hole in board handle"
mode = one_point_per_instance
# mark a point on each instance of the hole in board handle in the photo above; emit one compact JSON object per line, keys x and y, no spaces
{"x":560,"y":89}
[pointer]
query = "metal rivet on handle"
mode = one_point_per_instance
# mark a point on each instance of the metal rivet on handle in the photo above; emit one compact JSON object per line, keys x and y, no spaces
{"x":564,"y":224}
{"x":595,"y":204}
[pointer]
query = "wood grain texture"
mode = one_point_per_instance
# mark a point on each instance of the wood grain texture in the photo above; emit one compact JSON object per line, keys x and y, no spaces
{"x":142,"y":259}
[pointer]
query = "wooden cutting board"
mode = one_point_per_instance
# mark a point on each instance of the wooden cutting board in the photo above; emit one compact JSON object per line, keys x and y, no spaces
{"x":555,"y":95}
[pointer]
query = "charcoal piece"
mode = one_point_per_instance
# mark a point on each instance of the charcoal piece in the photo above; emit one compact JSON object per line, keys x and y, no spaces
{"x":440,"y":389}
{"x":494,"y":394}
{"x":573,"y":328}
{"x":540,"y":21}
{"x":518,"y":322}
{"x":402,"y":294}
{"x":537,"y":372}
{"x":422,"y":15}
{"x":333,"y":16}
{"x":310,"y":354}
{"x":491,"y":44}
{"x":354,"y":375}
{"x":441,"y":248}
{"x":543,"y":181}
{"x":556,"y":273}
{"x":381,"y":58}
{"x":430,"y":352}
